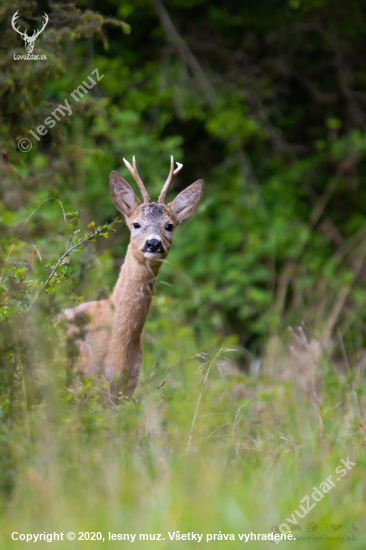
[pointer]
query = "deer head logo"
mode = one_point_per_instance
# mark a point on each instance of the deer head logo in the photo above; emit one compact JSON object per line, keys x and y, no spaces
{"x":29,"y":40}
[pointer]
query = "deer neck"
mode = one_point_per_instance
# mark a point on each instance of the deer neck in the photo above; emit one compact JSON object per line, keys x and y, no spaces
{"x":132,"y":296}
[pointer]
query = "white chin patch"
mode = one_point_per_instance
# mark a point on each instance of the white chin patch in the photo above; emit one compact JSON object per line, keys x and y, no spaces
{"x":152,"y":255}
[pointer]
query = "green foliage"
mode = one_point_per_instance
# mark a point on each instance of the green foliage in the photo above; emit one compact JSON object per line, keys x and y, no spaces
{"x":266,"y":102}
{"x":201,"y":448}
{"x":277,"y":151}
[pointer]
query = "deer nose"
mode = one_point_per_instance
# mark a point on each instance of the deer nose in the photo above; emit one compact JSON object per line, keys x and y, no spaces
{"x":153,"y":245}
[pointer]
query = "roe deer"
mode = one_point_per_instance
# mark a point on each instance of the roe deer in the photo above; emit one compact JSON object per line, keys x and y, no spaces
{"x":108,"y":332}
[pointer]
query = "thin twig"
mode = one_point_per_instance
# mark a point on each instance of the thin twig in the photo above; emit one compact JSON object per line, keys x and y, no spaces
{"x":35,"y":251}
{"x":184,"y":51}
{"x":222,"y":349}
{"x":68,"y":251}
{"x":219,"y":428}
{"x":349,"y":372}
{"x":6,"y":261}
{"x":49,"y":199}
{"x":237,"y":416}
{"x":77,"y":219}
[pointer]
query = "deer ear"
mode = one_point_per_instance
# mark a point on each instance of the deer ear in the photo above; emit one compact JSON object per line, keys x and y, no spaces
{"x":122,"y":194}
{"x":187,"y":201}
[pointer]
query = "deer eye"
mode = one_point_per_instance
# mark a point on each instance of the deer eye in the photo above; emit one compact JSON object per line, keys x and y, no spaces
{"x":169,"y":227}
{"x":136,"y":225}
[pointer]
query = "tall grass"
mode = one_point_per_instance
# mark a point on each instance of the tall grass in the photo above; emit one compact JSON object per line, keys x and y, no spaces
{"x":202,"y":447}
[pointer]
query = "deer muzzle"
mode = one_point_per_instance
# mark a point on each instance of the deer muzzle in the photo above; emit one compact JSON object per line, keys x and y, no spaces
{"x":153,"y":248}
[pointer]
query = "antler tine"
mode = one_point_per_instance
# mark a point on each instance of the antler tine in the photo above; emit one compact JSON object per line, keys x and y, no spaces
{"x":137,"y":178}
{"x":13,"y":21}
{"x":37,"y":33}
{"x":172,"y":173}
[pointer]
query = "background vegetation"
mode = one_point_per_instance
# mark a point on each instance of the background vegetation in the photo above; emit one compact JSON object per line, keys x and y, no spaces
{"x":265,"y":101}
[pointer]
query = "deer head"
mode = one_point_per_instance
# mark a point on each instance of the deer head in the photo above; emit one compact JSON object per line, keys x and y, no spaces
{"x":152,"y":224}
{"x":29,"y":40}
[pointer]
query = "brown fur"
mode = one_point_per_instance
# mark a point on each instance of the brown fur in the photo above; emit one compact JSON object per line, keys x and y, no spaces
{"x":108,"y":332}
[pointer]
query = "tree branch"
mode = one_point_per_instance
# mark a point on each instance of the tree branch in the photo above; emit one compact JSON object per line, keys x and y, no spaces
{"x":184,"y":51}
{"x":68,"y":251}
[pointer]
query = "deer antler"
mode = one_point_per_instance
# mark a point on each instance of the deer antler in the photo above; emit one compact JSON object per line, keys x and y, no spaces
{"x":168,"y":181}
{"x":37,"y":33}
{"x":13,"y":21}
{"x":137,"y":179}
